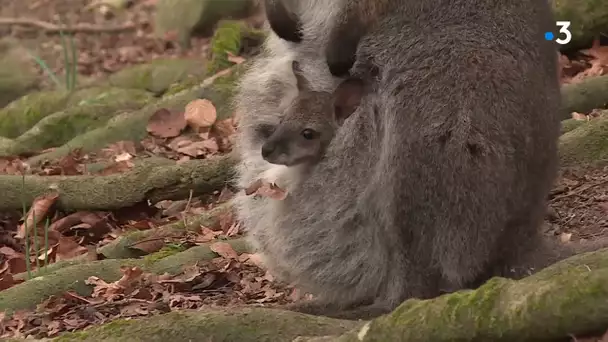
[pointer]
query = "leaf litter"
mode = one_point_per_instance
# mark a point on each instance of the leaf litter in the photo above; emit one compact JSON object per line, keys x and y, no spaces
{"x":228,"y":279}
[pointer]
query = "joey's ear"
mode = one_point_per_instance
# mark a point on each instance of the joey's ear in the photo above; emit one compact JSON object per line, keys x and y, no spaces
{"x":301,"y":82}
{"x":347,"y":97}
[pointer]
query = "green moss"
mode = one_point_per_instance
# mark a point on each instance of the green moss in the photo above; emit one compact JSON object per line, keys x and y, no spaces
{"x":189,"y":82}
{"x":18,"y":74}
{"x":90,"y":113}
{"x":571,"y":124}
{"x":23,"y":113}
{"x":222,"y":92}
{"x":585,"y":96}
{"x":28,"y":294}
{"x":585,"y":144}
{"x":116,"y":327}
{"x":163,"y":253}
{"x":157,"y":76}
{"x":216,"y":325}
{"x":227,"y":38}
{"x":132,"y":125}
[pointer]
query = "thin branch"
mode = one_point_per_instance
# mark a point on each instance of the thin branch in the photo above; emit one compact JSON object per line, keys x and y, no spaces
{"x":52,"y":28}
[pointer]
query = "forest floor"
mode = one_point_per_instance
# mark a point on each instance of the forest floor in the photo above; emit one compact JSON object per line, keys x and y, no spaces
{"x":578,"y":203}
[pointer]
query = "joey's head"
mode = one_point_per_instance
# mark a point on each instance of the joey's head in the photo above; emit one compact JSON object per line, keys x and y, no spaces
{"x":310,"y":122}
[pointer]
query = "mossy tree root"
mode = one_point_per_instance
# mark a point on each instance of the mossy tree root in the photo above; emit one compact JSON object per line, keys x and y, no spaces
{"x":71,"y":277}
{"x":585,"y":96}
{"x":119,"y":248}
{"x":565,"y":299}
{"x":585,"y":144}
{"x":218,"y":325}
{"x":143,"y":182}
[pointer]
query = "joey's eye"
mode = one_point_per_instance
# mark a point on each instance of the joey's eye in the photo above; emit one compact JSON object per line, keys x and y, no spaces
{"x":308,"y":134}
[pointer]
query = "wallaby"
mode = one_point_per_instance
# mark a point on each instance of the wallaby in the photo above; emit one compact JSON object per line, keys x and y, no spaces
{"x":438,"y":179}
{"x":289,"y":18}
{"x":310,"y":123}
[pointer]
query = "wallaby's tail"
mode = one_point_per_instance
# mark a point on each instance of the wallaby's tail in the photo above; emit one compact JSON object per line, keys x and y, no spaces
{"x":550,"y":252}
{"x":589,"y":246}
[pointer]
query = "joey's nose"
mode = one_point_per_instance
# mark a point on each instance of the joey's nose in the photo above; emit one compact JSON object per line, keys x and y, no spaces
{"x":267,"y":150}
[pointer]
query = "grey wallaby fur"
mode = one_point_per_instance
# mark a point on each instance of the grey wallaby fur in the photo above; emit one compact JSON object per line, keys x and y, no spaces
{"x":310,"y":122}
{"x":289,"y":20}
{"x":437,"y":181}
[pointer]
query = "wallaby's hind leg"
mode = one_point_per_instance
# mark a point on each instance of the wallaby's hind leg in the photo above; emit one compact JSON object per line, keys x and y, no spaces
{"x":530,"y":250}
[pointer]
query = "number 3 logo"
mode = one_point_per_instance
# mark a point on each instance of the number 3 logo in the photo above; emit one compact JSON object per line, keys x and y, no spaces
{"x":564,"y":30}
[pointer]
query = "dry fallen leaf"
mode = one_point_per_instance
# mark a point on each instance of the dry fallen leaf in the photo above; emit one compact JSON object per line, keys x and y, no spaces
{"x":579,"y":116}
{"x":149,"y":244}
{"x":111,"y":291}
{"x":225,"y":195}
{"x":117,"y":167}
{"x":235,"y":59}
{"x":69,"y":164}
{"x":67,"y":248}
{"x":207,"y":235}
{"x":225,"y":128}
{"x":91,"y":219}
{"x":166,"y":124}
{"x":224,"y":249}
{"x":123,"y":157}
{"x":198,"y":148}
{"x":266,"y":189}
{"x":37,"y":213}
{"x":565,"y":237}
{"x":120,"y":147}
{"x":129,"y":275}
{"x":200,"y":114}
{"x":7,"y":281}
{"x":17,"y":264}
{"x":598,"y":51}
{"x":252,"y":259}
{"x":253,"y":187}
{"x":9,"y":252}
{"x":210,"y":145}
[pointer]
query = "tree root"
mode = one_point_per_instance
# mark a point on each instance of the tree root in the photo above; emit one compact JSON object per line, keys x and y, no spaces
{"x":218,"y":325}
{"x":585,"y":96}
{"x":70,"y":276}
{"x":565,"y":299}
{"x":143,"y":182}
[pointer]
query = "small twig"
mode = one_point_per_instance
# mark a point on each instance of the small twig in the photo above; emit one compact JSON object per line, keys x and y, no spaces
{"x":577,"y":191}
{"x":187,"y":209}
{"x":122,"y":302}
{"x":52,"y":28}
{"x":152,"y":239}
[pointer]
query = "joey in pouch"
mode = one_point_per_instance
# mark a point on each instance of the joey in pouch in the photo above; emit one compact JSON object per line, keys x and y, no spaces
{"x":436,"y":182}
{"x":309,"y":124}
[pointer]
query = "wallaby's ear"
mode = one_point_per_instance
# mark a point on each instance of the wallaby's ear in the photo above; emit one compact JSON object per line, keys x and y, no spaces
{"x":347,"y":97}
{"x":302,"y":82}
{"x":283,"y":21}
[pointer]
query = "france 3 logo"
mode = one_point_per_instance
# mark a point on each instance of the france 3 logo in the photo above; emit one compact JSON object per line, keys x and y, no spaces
{"x":564,"y":32}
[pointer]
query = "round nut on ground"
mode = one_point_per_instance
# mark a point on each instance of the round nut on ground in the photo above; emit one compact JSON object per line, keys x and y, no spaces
{"x":200,"y":114}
